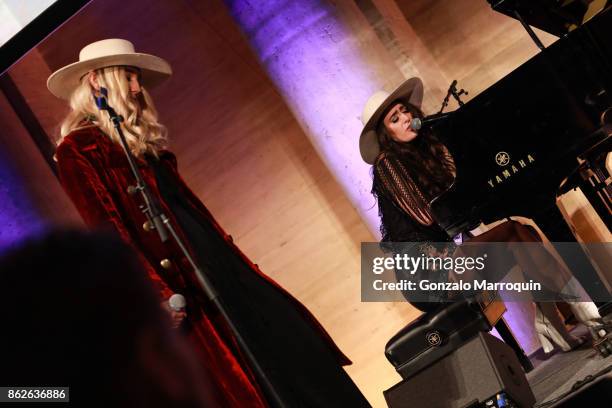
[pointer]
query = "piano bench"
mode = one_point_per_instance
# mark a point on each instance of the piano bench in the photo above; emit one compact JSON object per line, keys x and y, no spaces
{"x":434,"y":335}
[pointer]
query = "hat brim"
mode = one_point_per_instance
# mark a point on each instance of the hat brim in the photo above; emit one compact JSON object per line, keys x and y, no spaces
{"x":411,"y":91}
{"x":65,"y":80}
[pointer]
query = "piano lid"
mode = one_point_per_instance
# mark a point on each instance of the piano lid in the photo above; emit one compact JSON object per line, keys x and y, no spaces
{"x":556,"y":17}
{"x":514,"y":143}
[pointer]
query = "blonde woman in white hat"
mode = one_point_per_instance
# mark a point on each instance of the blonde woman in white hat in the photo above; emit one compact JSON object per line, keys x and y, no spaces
{"x":300,"y":359}
{"x":412,"y":167}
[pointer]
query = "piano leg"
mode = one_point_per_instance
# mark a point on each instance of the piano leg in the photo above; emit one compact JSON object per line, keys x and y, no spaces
{"x":595,"y":189}
{"x":552,"y":223}
{"x":508,"y":337}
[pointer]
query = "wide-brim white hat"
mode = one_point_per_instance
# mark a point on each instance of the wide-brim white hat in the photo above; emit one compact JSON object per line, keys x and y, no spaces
{"x":411,"y":91}
{"x":108,"y":53}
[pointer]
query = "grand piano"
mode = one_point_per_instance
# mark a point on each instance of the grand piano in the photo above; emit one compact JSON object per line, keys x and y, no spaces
{"x":540,"y":131}
{"x":531,"y":136}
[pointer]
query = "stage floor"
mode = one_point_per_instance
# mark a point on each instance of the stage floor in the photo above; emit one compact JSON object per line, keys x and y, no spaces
{"x":555,"y":375}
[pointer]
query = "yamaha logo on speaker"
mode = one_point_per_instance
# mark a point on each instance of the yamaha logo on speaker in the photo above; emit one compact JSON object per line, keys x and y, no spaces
{"x":434,"y":338}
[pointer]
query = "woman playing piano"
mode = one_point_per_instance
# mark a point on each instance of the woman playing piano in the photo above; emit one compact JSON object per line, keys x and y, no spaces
{"x":410,"y":168}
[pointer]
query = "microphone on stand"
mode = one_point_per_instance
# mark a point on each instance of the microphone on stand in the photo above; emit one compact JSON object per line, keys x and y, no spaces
{"x":418,"y":123}
{"x":150,"y":208}
{"x":164,"y":226}
{"x":100,"y":99}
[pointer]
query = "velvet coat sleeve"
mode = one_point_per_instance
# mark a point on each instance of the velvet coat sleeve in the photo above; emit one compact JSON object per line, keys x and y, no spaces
{"x":80,"y":180}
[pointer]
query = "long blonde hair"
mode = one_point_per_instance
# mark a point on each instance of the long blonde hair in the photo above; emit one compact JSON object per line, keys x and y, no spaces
{"x":144,"y":134}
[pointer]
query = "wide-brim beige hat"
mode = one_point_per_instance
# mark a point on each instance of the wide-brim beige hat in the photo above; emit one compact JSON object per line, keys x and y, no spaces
{"x":108,"y":53}
{"x":411,"y":91}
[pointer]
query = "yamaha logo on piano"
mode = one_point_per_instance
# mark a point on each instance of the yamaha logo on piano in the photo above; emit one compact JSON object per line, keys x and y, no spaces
{"x":503,"y":160}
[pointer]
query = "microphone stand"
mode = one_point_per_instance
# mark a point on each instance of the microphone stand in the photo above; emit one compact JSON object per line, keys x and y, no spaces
{"x":452,"y":91}
{"x":161,"y":223}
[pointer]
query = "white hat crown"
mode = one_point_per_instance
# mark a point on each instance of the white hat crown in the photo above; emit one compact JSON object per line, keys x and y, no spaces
{"x":105,"y":48}
{"x":374,"y":102}
{"x":108,"y":53}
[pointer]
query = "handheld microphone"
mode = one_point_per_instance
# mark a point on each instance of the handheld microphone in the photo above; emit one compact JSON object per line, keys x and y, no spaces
{"x":177,"y":302}
{"x":418,"y":123}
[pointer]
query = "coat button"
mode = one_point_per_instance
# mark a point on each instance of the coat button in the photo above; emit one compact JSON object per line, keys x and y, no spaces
{"x":165,"y":263}
{"x":147,"y":226}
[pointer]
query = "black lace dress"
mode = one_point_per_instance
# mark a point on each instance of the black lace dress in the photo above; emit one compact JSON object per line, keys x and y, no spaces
{"x":406,"y":223}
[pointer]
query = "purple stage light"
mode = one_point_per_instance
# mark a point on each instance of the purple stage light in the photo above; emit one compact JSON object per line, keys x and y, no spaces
{"x":319,"y":69}
{"x":18,"y":217}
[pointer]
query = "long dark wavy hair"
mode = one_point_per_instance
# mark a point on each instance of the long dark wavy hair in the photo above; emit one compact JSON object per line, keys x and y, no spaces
{"x":425,"y":157}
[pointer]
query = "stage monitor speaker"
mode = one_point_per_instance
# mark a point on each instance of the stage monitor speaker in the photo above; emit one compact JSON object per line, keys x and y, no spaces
{"x":479,"y":369}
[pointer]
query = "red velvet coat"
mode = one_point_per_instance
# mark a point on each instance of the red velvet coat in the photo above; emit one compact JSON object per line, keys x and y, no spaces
{"x":95,"y":173}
